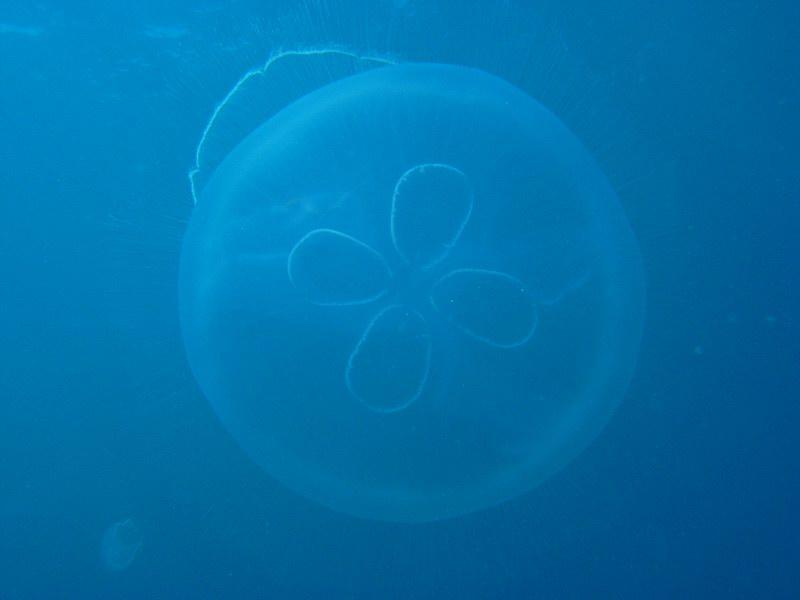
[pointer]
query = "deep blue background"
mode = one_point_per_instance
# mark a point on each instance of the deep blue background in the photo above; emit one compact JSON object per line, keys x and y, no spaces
{"x":690,"y":492}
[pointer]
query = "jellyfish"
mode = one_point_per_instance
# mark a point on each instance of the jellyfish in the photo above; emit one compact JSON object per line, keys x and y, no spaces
{"x":120,"y":545}
{"x":410,"y":293}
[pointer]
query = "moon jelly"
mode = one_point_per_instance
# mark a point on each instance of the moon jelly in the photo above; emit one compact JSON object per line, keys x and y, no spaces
{"x":121,"y":542}
{"x":411,"y":293}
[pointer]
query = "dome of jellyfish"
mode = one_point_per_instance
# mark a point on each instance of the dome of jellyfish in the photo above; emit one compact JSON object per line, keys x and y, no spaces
{"x":120,"y":545}
{"x":409,"y":293}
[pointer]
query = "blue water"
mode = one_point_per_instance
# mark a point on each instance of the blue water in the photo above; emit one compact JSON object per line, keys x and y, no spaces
{"x":120,"y":480}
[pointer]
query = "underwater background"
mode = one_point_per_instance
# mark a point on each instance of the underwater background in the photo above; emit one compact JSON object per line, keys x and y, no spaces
{"x":117,"y":479}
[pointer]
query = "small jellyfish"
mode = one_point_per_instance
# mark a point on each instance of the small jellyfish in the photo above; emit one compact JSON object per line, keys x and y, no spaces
{"x":410,"y":293}
{"x":120,"y":545}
